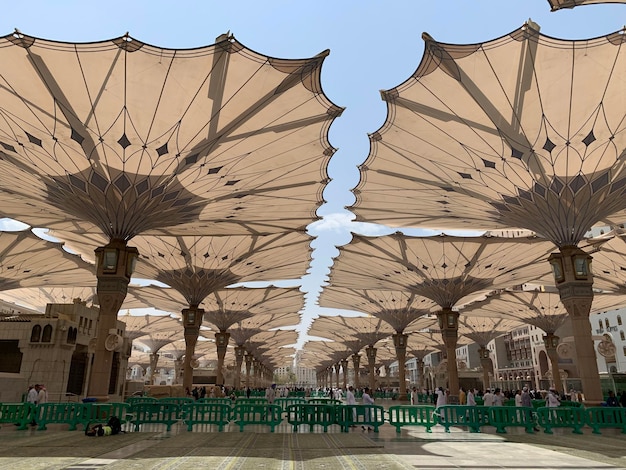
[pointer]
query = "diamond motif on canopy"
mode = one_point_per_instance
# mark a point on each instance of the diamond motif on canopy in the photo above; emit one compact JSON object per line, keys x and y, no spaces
{"x":28,"y":261}
{"x":39,"y":297}
{"x":448,"y":270}
{"x":120,"y":137}
{"x":524,"y":131}
{"x":197,"y":266}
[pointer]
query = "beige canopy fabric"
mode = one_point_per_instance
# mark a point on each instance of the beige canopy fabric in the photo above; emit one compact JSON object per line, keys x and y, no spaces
{"x":541,"y":309}
{"x":354,"y":332}
{"x":447,"y":270}
{"x":141,"y":325}
{"x":39,"y":297}
{"x":523,"y":131}
{"x":120,"y":137}
{"x":29,"y":261}
{"x":195,"y":266}
{"x":560,"y":4}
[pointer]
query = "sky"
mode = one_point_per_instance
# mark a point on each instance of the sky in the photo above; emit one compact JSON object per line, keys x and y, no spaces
{"x":374,"y":45}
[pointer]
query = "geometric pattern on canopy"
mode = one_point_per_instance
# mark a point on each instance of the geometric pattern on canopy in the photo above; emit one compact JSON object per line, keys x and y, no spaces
{"x":28,"y":261}
{"x":541,"y":309}
{"x":197,"y":265}
{"x":397,"y":308}
{"x":141,"y":325}
{"x":448,"y":270}
{"x":39,"y":297}
{"x":120,"y":137}
{"x":523,"y":131}
{"x":354,"y":332}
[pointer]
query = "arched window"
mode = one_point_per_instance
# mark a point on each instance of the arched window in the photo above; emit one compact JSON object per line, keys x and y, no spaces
{"x":71,"y":335}
{"x":46,"y":337}
{"x":35,"y":334}
{"x":606,"y":322}
{"x":600,"y":323}
{"x":622,"y":336}
{"x":619,"y":320}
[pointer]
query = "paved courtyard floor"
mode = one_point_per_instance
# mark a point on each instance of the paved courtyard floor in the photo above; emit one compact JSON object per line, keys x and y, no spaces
{"x":256,"y":448}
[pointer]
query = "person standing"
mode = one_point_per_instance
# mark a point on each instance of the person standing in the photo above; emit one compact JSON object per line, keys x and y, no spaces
{"x":270,"y":394}
{"x":552,"y":400}
{"x":441,"y":397}
{"x":612,"y":399}
{"x":462,"y":396}
{"x":498,"y":399}
{"x":42,"y":395}
{"x":31,"y":396}
{"x":367,"y":400}
{"x":488,"y":398}
{"x":471,"y":397}
{"x":350,"y":400}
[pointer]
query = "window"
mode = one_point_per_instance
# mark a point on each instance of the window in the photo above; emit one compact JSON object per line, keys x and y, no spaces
{"x":622,"y":336}
{"x":35,"y":334}
{"x":11,"y":356}
{"x":600,"y":324}
{"x":46,"y":337}
{"x":606,"y":322}
{"x":619,"y":320}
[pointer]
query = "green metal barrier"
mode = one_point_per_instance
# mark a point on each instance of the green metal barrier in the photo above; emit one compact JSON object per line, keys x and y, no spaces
{"x":359,"y":415}
{"x":154,"y":413}
{"x":101,"y":412}
{"x":17,"y":413}
{"x":606,"y":417}
{"x":223,"y":400}
{"x":285,"y":402}
{"x":71,"y":414}
{"x":244,"y":414}
{"x":412,"y":415}
{"x":311,"y":414}
{"x":252,"y":401}
{"x":561,"y":417}
{"x":206,"y":413}
{"x":508,"y":416}
{"x":134,"y":400}
{"x":472,"y":417}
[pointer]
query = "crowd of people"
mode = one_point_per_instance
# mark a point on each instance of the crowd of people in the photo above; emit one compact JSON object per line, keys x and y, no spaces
{"x":523,"y":397}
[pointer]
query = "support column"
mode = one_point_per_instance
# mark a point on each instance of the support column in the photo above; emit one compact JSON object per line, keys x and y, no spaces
{"x":249,"y":359}
{"x":344,"y":367}
{"x":449,"y":325}
{"x":356,"y":364}
{"x":370,"y":351}
{"x":336,"y":366}
{"x":551,"y":341}
{"x":115,"y":265}
{"x":154,"y":360}
{"x":177,"y":370}
{"x":192,"y":319}
{"x":221,"y":341}
{"x":420,"y":373}
{"x":485,"y":364}
{"x":240,"y":352}
{"x":574,"y":279}
{"x":400,"y":342}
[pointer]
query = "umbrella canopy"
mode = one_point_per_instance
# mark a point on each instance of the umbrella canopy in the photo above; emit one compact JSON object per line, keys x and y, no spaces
{"x":523,"y":131}
{"x":354,"y":332}
{"x":399,"y":309}
{"x":120,"y":137}
{"x":39,"y":297}
{"x":29,"y":261}
{"x":195,"y":266}
{"x":141,"y":325}
{"x":447,"y":270}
